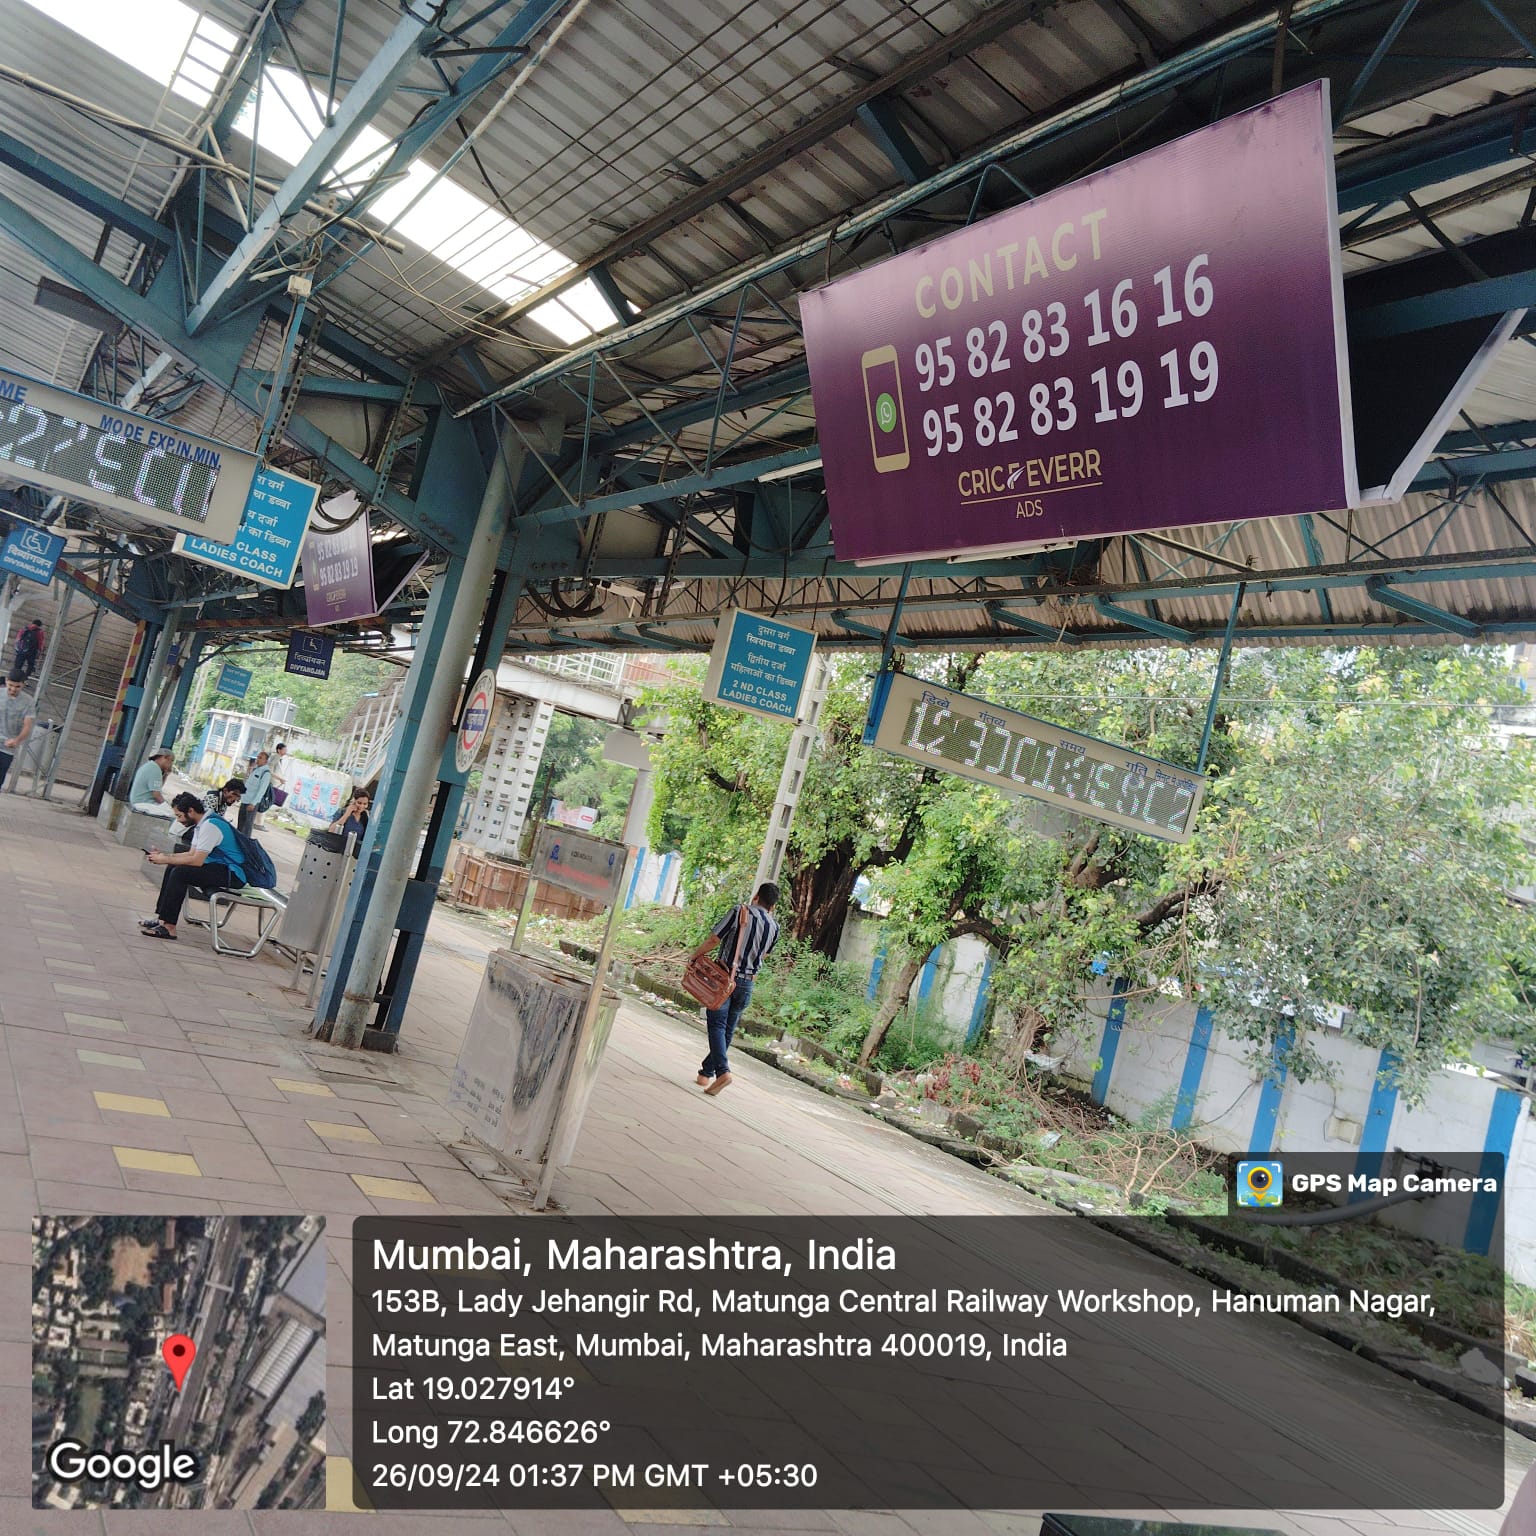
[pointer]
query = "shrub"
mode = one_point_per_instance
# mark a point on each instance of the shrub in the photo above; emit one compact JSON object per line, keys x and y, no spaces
{"x":804,"y":993}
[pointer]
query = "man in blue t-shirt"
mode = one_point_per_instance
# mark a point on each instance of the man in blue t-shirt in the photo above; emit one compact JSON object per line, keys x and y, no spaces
{"x":211,"y":863}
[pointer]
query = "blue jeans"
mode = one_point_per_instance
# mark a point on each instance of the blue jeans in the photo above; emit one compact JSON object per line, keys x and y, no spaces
{"x":722,"y":1026}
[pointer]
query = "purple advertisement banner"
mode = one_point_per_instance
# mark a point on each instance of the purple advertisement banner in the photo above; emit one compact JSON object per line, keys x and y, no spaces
{"x":1158,"y":345}
{"x":338,"y":568}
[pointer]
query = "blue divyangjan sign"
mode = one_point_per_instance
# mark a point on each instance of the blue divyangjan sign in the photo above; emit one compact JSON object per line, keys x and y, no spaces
{"x":309,"y":655}
{"x":233,"y":680}
{"x":759,"y":665}
{"x":266,"y":545}
{"x":32,"y":553}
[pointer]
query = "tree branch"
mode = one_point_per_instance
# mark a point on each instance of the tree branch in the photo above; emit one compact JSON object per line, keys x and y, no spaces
{"x":984,"y":928}
{"x":1162,"y":908}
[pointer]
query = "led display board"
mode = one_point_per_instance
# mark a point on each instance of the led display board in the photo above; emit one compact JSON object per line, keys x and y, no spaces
{"x":1019,"y":755}
{"x":98,"y":454}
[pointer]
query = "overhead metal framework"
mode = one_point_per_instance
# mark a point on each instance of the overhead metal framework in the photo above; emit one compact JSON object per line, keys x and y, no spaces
{"x":154,"y":247}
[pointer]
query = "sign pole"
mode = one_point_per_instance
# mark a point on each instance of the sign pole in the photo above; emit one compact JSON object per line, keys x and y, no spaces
{"x":1221,"y":672}
{"x":524,"y":912}
{"x":887,"y":651}
{"x":583,"y":1040}
{"x":802,"y":743}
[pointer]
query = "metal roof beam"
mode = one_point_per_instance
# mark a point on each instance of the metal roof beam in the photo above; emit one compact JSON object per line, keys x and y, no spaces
{"x":1487,"y":437}
{"x":1142,"y":621}
{"x":1417,"y":608}
{"x":1471,"y":301}
{"x":1423,"y":157}
{"x":258,"y":51}
{"x":389,"y":66}
{"x":74,"y":188}
{"x":1031,"y":626}
{"x":882,"y":122}
{"x":718,"y":479}
{"x":1510,"y":464}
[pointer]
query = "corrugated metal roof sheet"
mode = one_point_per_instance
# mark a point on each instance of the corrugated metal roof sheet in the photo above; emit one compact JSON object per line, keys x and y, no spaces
{"x":640,"y":101}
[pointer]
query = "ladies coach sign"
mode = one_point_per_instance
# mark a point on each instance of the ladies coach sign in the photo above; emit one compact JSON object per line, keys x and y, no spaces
{"x":1158,"y":345}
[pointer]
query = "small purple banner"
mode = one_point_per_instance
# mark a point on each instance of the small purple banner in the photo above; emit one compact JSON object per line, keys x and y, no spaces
{"x":338,"y":568}
{"x":1158,"y":345}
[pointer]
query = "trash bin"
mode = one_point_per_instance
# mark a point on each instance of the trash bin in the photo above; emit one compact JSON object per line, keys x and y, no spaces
{"x":516,"y":1067}
{"x":322,"y":871}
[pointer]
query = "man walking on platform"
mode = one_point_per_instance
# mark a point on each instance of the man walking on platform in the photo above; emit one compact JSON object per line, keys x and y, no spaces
{"x":17,"y":712}
{"x":747,"y":951}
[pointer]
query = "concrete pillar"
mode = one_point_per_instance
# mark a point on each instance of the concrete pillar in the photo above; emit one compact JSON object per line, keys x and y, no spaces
{"x":508,"y":774}
{"x":432,"y":690}
{"x":641,"y":799}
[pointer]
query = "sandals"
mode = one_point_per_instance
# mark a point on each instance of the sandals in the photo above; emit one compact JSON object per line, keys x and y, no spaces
{"x":158,"y":931}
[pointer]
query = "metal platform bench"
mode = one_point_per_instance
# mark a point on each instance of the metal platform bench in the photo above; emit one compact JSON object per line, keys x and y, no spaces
{"x":268,"y":906}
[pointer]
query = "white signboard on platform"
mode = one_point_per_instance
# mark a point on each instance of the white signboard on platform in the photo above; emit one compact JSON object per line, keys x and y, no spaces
{"x":590,"y":866}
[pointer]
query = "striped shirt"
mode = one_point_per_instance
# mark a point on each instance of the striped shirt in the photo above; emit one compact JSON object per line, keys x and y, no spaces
{"x":762,"y":935}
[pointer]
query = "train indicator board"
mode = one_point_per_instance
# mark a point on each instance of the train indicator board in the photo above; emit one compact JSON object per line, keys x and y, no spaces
{"x":1019,"y":755}
{"x":98,"y":454}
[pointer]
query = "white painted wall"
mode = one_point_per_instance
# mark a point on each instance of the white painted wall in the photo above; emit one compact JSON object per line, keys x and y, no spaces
{"x":957,"y":976}
{"x":1314,"y":1116}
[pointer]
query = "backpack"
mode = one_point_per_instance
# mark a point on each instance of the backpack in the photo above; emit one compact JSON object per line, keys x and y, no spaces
{"x":265,"y":803}
{"x":260,"y":872}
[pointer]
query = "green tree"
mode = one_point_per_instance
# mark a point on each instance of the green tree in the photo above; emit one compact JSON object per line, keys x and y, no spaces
{"x":606,"y":787}
{"x":717,"y":773}
{"x":1357,"y":848}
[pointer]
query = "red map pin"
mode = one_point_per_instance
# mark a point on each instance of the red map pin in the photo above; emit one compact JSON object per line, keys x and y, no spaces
{"x":179,"y":1352}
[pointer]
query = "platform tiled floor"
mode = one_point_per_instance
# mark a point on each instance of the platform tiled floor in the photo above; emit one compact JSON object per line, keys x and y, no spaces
{"x":142,"y":1076}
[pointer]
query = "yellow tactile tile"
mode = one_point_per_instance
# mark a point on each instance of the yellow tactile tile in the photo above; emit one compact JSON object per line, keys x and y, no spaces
{"x":292,"y":1085}
{"x":131,"y":1104}
{"x":106,"y":1059}
{"x":157,"y":1162}
{"x":340,"y":1486}
{"x":95,"y":1021}
{"x":334,"y":1132}
{"x":393,"y":1189}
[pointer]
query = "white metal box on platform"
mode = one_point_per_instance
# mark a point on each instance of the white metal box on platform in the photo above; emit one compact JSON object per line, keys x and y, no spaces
{"x":518,"y":1078}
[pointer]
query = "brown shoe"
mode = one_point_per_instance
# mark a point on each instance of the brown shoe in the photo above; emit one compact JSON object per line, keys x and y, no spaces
{"x":723,"y":1081}
{"x":703,"y":1081}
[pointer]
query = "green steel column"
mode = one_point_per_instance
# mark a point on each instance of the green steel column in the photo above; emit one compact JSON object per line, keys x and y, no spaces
{"x":183,"y":692}
{"x":138,"y":737}
{"x":437,"y":671}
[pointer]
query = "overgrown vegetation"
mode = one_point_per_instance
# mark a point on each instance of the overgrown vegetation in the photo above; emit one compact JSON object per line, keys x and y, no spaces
{"x":1355,"y":849}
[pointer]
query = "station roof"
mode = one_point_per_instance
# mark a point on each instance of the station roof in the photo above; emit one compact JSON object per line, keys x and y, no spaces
{"x":635,"y":194}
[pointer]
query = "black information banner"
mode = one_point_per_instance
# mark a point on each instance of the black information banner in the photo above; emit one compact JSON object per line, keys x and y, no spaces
{"x":978,"y":1362}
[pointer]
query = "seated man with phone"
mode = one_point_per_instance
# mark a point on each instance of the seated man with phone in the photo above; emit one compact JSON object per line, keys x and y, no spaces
{"x":212,"y":862}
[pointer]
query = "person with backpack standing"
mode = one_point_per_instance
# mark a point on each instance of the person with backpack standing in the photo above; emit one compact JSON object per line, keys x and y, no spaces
{"x":749,"y":947}
{"x":258,"y":793}
{"x":214,"y":862}
{"x":30,"y":645}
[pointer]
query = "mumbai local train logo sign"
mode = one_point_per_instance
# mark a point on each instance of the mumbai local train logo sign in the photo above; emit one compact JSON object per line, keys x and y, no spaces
{"x":475,"y":724}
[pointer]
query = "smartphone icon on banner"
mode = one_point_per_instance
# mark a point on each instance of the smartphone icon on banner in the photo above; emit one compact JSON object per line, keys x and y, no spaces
{"x":887,"y":417}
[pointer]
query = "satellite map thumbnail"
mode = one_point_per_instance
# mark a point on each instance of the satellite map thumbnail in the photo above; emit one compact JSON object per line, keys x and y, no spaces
{"x":232,"y":1305}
